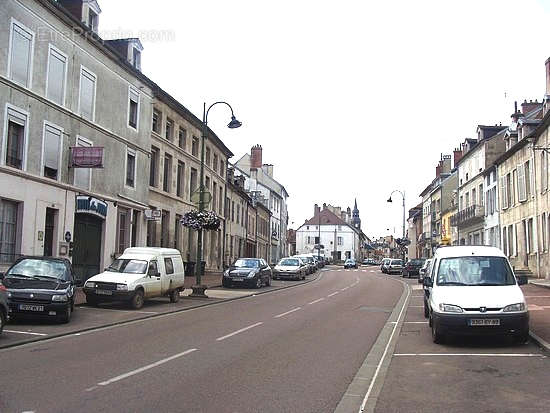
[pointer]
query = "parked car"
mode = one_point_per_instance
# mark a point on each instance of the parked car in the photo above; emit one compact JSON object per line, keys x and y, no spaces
{"x":139,"y":273}
{"x":290,"y":267}
{"x":252,"y":272}
{"x":40,"y":287}
{"x":350,"y":263}
{"x":424,"y":270}
{"x":395,"y":266}
{"x":384,"y":265}
{"x":412,"y":267}
{"x":473,"y":291}
{"x":310,"y":261}
{"x":3,"y":306}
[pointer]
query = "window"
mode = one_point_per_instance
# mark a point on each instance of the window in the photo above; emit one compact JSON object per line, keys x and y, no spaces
{"x":220,"y":209}
{"x":222,"y":170}
{"x":527,"y":180}
{"x":16,"y":139}
{"x":167,"y":176}
{"x":86,"y":101}
{"x":207,"y":157}
{"x":123,"y":229}
{"x":8,"y":230}
{"x":130,"y":168}
{"x":83,"y":176}
{"x":474,"y":199}
{"x":133,"y":108}
{"x":180,"y":179}
{"x":182,"y":137}
{"x":195,"y":146}
{"x":227,"y":204}
{"x":511,"y":245}
{"x":514,"y":187}
{"x":169,"y":265}
{"x":193,"y":181}
{"x":177,"y":233}
{"x":153,"y":170}
{"x":508,"y":190}
{"x":136,"y":58}
{"x":214,"y":196}
{"x":480,"y":192}
{"x":309,"y":240}
{"x":504,"y":242}
{"x":340,"y":241}
{"x":544,"y":171}
{"x":169,"y":132}
{"x":56,"y":76}
{"x":233,"y":211}
{"x":164,"y":236}
{"x":157,"y":119}
{"x":238,"y":212}
{"x":51,"y":151}
{"x":21,"y":54}
{"x":531,"y":244}
{"x":543,"y":231}
{"x":215,"y":163}
{"x":522,"y":192}
{"x":92,"y":20}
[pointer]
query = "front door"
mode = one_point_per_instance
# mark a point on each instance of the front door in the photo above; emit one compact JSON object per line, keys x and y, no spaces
{"x":48,"y":232}
{"x":87,"y":246}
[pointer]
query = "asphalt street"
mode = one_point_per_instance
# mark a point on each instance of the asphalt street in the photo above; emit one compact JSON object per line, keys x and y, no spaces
{"x":291,"y":350}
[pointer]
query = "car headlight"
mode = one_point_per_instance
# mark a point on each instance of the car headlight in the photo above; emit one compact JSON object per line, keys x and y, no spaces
{"x":514,"y":307}
{"x":449,"y":308}
{"x":251,"y":274}
{"x":226,"y":273}
{"x":9,"y":294}
{"x":90,"y":284}
{"x":60,"y":298}
{"x":122,"y":287}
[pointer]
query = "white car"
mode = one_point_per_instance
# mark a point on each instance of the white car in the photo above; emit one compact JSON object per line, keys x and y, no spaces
{"x":290,"y":267}
{"x":472,"y":290}
{"x":139,"y":273}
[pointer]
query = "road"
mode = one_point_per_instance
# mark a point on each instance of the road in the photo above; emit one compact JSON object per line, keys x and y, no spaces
{"x":291,"y":350}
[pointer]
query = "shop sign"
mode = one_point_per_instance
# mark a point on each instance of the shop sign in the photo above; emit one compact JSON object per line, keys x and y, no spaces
{"x":90,"y":205}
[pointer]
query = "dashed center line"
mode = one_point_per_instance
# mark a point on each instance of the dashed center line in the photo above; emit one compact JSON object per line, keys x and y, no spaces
{"x":25,"y":332}
{"x":334,"y":293}
{"x":316,"y":301}
{"x":344,"y":289}
{"x":238,"y":331}
{"x":287,"y":312}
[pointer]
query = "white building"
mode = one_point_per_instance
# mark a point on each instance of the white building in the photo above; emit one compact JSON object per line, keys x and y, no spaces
{"x":337,"y":238}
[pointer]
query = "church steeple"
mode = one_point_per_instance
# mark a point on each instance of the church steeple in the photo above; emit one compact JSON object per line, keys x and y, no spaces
{"x":355,"y":220}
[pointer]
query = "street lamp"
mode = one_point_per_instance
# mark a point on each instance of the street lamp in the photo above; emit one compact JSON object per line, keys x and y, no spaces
{"x":198,"y":288}
{"x":390,"y":200}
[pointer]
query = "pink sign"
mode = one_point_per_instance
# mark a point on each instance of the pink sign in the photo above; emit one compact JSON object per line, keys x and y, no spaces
{"x":87,"y":157}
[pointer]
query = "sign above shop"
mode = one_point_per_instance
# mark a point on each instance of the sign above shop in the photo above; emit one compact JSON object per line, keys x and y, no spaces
{"x":90,"y":205}
{"x":153,"y":214}
{"x":87,"y":157}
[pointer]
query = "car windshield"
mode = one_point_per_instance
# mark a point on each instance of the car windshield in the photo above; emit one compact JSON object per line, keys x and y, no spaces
{"x":241,"y":263}
{"x":289,"y":262}
{"x":128,"y":266}
{"x":36,"y":268}
{"x":417,"y":262}
{"x":475,"y":271}
{"x":396,"y":262}
{"x":350,"y":260}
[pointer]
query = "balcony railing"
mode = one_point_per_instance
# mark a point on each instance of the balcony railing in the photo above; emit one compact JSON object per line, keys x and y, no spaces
{"x":468,"y":215}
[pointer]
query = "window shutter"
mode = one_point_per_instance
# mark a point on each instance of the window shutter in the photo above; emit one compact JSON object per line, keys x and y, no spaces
{"x":52,"y":139}
{"x":502,"y":193}
{"x":87,"y":91}
{"x":56,"y":77}
{"x":20,"y":55}
{"x":521,"y":183}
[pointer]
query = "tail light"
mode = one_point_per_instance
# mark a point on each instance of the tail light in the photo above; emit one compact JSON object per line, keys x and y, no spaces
{"x":3,"y":287}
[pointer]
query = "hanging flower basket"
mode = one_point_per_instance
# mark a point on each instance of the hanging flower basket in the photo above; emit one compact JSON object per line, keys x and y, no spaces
{"x":196,"y":220}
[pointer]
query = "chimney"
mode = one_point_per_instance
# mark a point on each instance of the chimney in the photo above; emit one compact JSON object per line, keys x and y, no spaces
{"x":268,"y":169}
{"x":324,"y":205}
{"x":445,"y":164}
{"x":256,"y":157}
{"x":527,"y":107}
{"x":547,"y":64}
{"x":316,"y":210}
{"x":457,"y":156}
{"x":438,"y":170}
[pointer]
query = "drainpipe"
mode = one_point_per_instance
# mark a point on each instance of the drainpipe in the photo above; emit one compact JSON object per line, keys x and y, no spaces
{"x":536,"y":219}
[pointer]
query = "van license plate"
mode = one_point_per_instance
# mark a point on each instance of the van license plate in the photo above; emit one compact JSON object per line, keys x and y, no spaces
{"x":103,"y":292}
{"x":485,"y":322}
{"x":27,"y":307}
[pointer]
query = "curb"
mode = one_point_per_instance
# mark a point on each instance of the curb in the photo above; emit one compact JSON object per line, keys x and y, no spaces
{"x":541,"y":342}
{"x":539,"y":284}
{"x":118,"y":323}
{"x":366,"y":379}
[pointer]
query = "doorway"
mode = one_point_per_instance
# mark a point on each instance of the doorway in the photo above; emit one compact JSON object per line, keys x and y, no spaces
{"x":49,"y":228}
{"x":88,"y":231}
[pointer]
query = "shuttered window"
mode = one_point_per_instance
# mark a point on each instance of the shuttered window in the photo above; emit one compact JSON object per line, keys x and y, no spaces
{"x":8,"y":230}
{"x":15,"y":145}
{"x":83,"y":176}
{"x":57,"y":71}
{"x":87,"y":94}
{"x":51,"y":151}
{"x":133,"y":108}
{"x":22,"y":42}
{"x":522,"y":196}
{"x":130,"y":168}
{"x":544,"y":171}
{"x":503,"y":200}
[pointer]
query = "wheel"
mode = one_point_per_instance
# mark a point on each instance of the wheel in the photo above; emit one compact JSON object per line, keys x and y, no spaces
{"x":226,"y":284}
{"x":137,"y":300}
{"x":174,"y":296}
{"x":66,"y":316}
{"x":2,"y":320}
{"x":437,"y":337}
{"x":303,"y":276}
{"x":259,"y":282}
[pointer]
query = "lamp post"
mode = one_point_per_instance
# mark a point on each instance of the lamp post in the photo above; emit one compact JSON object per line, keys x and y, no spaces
{"x":198,"y":288}
{"x":390,"y":200}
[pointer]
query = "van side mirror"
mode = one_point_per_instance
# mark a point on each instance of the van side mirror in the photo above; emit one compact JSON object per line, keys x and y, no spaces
{"x":428,"y":282}
{"x":521,"y":279}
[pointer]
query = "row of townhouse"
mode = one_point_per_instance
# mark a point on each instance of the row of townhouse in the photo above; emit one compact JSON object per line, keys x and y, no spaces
{"x":96,"y":157}
{"x":495,"y":194}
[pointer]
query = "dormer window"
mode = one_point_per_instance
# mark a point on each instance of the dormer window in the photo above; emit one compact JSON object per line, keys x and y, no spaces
{"x":136,"y":58}
{"x":93,"y":20}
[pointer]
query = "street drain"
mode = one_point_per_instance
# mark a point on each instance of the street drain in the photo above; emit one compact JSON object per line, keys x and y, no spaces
{"x":375,"y":309}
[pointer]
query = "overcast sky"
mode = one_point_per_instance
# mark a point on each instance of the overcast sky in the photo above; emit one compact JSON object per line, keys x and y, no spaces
{"x":350,"y":98}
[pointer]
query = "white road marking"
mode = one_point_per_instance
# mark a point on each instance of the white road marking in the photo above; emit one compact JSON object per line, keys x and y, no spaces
{"x":144,"y":368}
{"x":372,"y":271}
{"x":344,"y":289}
{"x":469,"y":354}
{"x":316,"y":301}
{"x":415,"y":322}
{"x":25,"y":332}
{"x":238,"y":331}
{"x":288,"y":312}
{"x":334,"y":293}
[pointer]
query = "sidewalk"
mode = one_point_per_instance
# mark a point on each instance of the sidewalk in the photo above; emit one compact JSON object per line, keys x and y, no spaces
{"x":210,"y":279}
{"x":537,"y":294}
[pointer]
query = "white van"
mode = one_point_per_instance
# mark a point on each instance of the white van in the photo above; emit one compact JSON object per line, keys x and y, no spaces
{"x":139,"y":273}
{"x":472,"y":290}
